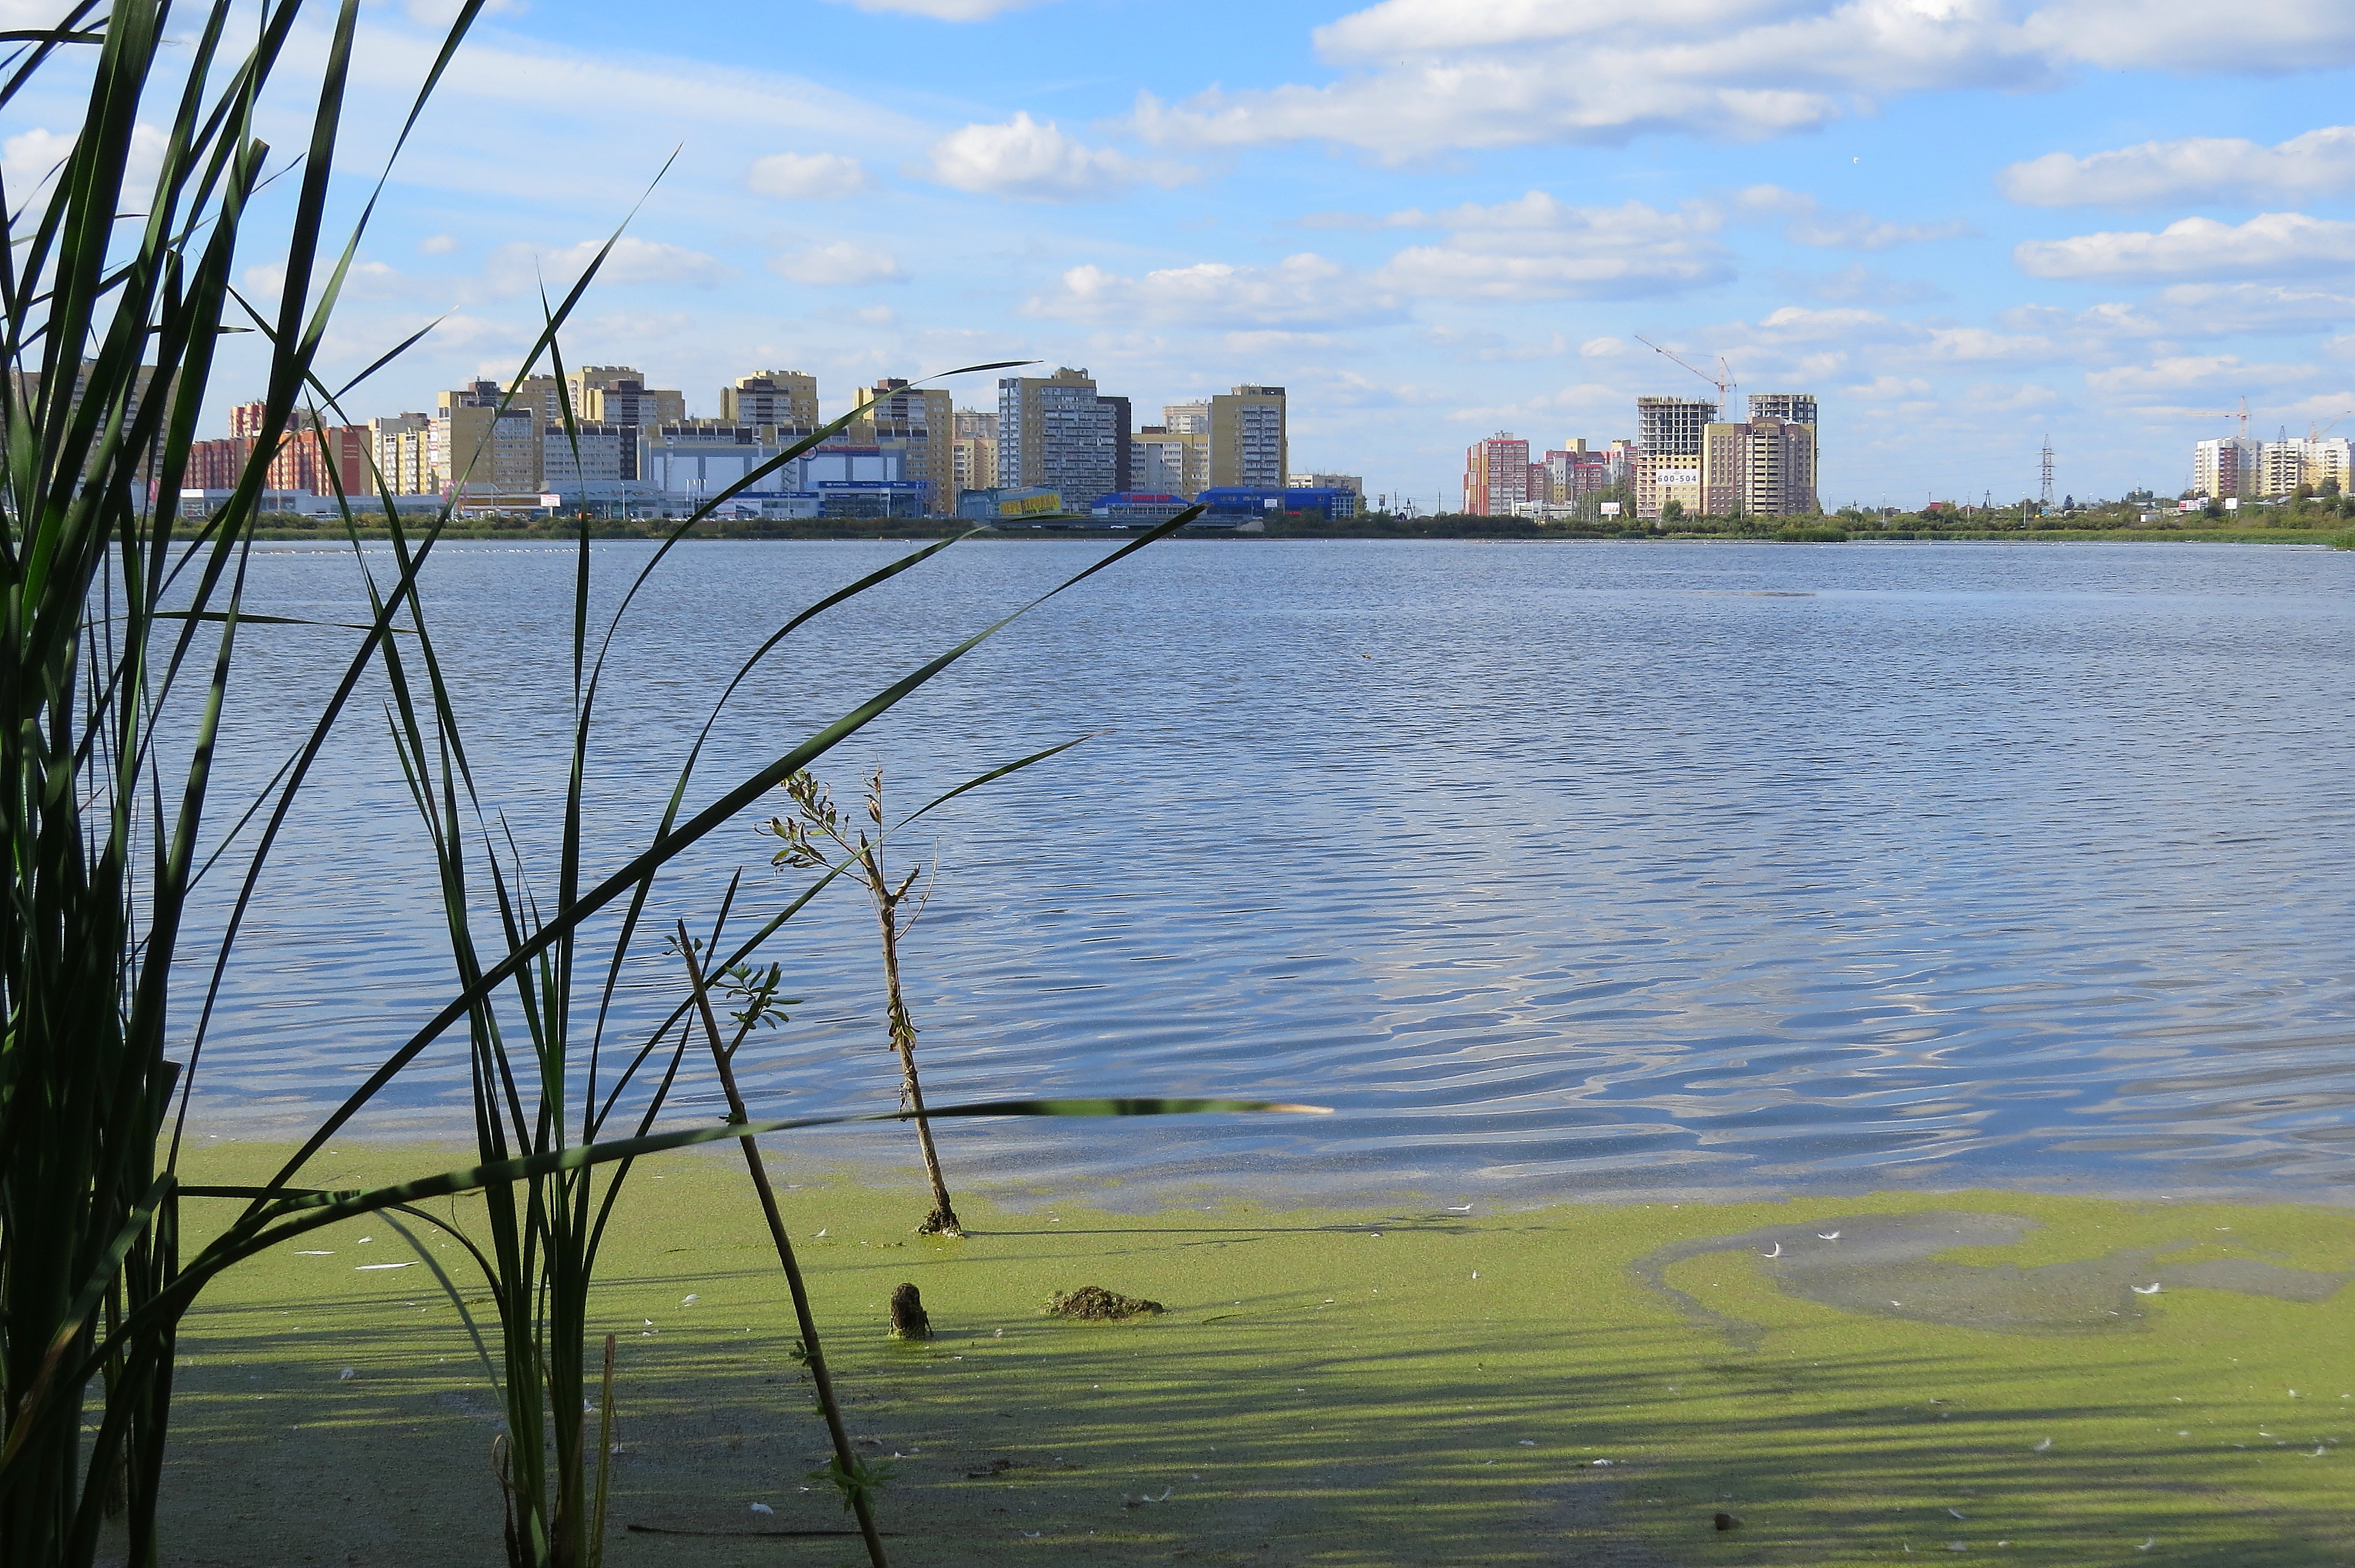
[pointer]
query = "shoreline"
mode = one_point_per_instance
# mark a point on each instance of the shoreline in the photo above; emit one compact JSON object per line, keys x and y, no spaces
{"x":1355,"y":1386}
{"x":914,"y":533}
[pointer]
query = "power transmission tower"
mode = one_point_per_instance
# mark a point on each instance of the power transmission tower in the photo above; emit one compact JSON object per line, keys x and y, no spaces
{"x":2044,"y":459}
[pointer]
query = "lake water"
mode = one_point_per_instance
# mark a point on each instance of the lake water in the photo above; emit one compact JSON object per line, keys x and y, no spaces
{"x":1553,"y":868}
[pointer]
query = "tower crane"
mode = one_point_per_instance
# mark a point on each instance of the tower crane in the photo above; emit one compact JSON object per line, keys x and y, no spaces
{"x":2316,"y":433}
{"x":2242,"y":414}
{"x":1723,"y":380}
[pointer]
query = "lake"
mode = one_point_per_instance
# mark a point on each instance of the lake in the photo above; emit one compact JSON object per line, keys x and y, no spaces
{"x":1554,"y":868}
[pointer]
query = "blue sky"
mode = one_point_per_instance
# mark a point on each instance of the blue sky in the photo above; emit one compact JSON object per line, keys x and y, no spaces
{"x":1963,"y":224}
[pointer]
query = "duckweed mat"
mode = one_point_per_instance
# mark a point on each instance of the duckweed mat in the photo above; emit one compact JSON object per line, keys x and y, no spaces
{"x":2027,"y":1378}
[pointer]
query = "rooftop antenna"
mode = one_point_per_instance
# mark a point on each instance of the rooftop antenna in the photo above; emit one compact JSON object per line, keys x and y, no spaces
{"x":2044,"y":464}
{"x":1723,"y":380}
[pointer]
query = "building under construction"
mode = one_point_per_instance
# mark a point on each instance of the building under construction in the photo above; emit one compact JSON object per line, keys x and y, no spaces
{"x":1764,"y":466}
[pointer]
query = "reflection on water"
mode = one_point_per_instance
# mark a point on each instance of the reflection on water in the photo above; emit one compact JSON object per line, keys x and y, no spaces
{"x":1554,"y":867}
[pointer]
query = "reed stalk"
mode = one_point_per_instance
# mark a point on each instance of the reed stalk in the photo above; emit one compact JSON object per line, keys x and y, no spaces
{"x":120,"y":629}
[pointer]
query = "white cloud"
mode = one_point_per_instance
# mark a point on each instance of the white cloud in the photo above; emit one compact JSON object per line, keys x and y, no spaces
{"x":1856,"y":284}
{"x":1300,"y":291}
{"x":2218,"y":168}
{"x":807,"y":176}
{"x":2194,"y":311}
{"x":2178,"y":374}
{"x":945,"y":10}
{"x":1806,"y":222}
{"x":836,"y":265}
{"x":1421,"y":76}
{"x":1037,"y":162}
{"x":1538,"y":248}
{"x":518,"y":266}
{"x":31,"y":158}
{"x":2271,"y":244}
{"x":439,"y":244}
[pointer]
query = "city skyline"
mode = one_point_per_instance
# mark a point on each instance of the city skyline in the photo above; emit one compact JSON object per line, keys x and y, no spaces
{"x":2125,"y":237}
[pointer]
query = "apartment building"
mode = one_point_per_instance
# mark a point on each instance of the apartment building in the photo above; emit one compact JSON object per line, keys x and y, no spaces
{"x":403,"y":444}
{"x":1496,"y":476}
{"x":1166,"y":461}
{"x":787,"y":398}
{"x":921,"y":424}
{"x":1669,"y":435}
{"x":1249,"y":443}
{"x":2232,"y":467}
{"x":479,"y":448}
{"x":1054,"y":432}
{"x":973,"y":452}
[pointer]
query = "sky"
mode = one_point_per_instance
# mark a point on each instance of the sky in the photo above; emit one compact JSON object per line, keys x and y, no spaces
{"x":1963,"y":224}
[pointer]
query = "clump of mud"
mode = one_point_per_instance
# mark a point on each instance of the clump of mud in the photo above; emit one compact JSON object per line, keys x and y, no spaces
{"x":909,"y":1318}
{"x":1094,"y":1304}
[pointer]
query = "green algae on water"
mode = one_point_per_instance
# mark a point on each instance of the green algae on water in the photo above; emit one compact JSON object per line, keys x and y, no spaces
{"x":1582,"y":1384}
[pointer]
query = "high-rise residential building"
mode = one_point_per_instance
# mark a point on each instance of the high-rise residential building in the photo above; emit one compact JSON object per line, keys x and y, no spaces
{"x":1669,"y":435}
{"x":1124,"y":463}
{"x":590,"y":455}
{"x":479,"y":448}
{"x":921,"y":424}
{"x":618,"y":395}
{"x":309,"y":458}
{"x":2281,"y":467}
{"x":772,"y":397}
{"x":1496,"y":475}
{"x":404,"y":453}
{"x":1764,"y":468}
{"x":1163,"y":462}
{"x":2327,"y":461}
{"x":217,"y":464}
{"x":1779,"y":467}
{"x":1248,"y":441}
{"x":1792,"y":407}
{"x":2246,"y":467}
{"x":972,"y":454}
{"x":1724,"y":469}
{"x":1575,"y":474}
{"x":1186,"y":418}
{"x":2227,"y":467}
{"x":1782,"y":482}
{"x":1055,"y":432}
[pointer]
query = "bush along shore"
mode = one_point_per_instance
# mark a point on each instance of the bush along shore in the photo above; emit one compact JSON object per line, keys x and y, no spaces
{"x":2064,"y":1380}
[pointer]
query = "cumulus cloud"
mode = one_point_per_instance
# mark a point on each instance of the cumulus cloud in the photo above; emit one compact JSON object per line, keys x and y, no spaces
{"x":1538,"y":248}
{"x":1420,"y":76}
{"x":838,"y":265}
{"x":439,"y":244}
{"x":1302,"y":291}
{"x":1037,"y":162}
{"x":2272,"y":243}
{"x":631,"y":260}
{"x":31,"y":159}
{"x":807,"y":176}
{"x":2205,"y":168}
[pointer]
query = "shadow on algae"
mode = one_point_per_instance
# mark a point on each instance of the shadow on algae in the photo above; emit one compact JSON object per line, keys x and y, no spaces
{"x":1951,"y":1376}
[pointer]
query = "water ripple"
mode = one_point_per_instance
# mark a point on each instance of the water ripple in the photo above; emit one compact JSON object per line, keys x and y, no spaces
{"x":1553,"y":868}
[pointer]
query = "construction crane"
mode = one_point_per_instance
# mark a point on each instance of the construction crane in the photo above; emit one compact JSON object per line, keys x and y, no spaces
{"x":2316,"y":433}
{"x":2242,"y":414}
{"x":1723,"y":380}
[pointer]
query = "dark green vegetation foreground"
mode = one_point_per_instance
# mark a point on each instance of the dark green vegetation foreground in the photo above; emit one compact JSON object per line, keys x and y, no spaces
{"x":1331,"y":1389}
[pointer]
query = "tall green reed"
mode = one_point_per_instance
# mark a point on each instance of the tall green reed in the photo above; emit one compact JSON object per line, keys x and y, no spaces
{"x":120,"y":632}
